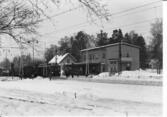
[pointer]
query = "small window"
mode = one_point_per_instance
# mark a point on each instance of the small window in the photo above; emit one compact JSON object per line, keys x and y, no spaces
{"x":68,"y":60}
{"x":104,"y":55}
{"x":84,"y":57}
{"x":96,"y":56}
{"x":93,"y":57}
{"x":90,"y":57}
{"x":127,"y":55}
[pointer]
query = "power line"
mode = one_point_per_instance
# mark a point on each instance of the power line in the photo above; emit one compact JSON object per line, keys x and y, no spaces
{"x":73,"y":9}
{"x":80,"y":24}
{"x":62,"y":13}
{"x":116,"y":13}
{"x":132,"y":24}
{"x":75,"y":25}
{"x":128,"y":25}
{"x":136,"y":23}
{"x":150,"y":8}
{"x":127,"y":10}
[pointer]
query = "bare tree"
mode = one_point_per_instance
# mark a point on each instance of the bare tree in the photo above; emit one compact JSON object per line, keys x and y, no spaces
{"x":17,"y":19}
{"x":95,"y":8}
{"x":20,"y":19}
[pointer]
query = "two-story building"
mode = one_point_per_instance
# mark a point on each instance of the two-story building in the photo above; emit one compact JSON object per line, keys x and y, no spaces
{"x":107,"y":58}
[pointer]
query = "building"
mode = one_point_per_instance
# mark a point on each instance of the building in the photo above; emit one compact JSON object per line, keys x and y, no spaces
{"x":63,"y":59}
{"x":1,"y":70}
{"x":106,"y":58}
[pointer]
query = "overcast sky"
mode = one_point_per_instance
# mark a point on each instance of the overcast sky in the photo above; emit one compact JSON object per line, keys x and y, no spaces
{"x":138,"y":19}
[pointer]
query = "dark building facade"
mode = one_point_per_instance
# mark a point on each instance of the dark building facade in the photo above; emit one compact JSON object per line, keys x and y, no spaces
{"x":107,"y":58}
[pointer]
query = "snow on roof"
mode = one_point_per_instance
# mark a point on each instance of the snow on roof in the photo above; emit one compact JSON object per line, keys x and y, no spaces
{"x":59,"y":58}
{"x":108,"y":45}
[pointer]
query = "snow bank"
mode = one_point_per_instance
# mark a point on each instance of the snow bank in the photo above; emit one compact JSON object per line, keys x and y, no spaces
{"x":138,"y":74}
{"x":6,"y":78}
{"x":104,"y":74}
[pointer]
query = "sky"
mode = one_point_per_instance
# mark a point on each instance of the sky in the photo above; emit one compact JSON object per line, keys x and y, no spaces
{"x":127,"y":15}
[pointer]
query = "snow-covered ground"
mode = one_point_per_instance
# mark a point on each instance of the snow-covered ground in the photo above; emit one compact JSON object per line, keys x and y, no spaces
{"x":139,"y":77}
{"x":147,"y":75}
{"x":68,"y":97}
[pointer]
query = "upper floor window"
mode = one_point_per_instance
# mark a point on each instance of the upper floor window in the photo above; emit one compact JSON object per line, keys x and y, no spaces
{"x":104,"y":55}
{"x":93,"y":56}
{"x":84,"y":57}
{"x":90,"y":57}
{"x":68,"y":60}
{"x":127,"y":55}
{"x":96,"y":56}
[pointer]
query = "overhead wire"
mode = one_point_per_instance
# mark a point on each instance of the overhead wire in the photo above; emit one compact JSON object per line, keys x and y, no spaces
{"x":135,"y":23}
{"x":112,"y":14}
{"x":62,"y":13}
{"x":127,"y":10}
{"x":116,"y":13}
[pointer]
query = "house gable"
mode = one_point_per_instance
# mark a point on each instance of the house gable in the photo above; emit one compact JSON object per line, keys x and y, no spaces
{"x":66,"y":58}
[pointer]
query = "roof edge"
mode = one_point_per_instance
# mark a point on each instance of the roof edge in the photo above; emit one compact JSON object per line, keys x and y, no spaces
{"x":67,"y":55}
{"x":114,"y":44}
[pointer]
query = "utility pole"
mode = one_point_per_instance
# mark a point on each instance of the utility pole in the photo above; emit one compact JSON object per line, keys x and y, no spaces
{"x":33,"y":48}
{"x":6,"y":58}
{"x":120,"y":56}
{"x":33,"y":41}
{"x":46,"y":70}
{"x":0,"y":42}
{"x":7,"y":50}
{"x":55,"y":55}
{"x":21,"y":59}
{"x":87,"y":62}
{"x":45,"y":62}
{"x":33,"y":51}
{"x":55,"y":60}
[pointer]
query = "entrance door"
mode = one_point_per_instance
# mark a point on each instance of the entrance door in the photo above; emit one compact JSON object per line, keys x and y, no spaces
{"x":103,"y":67}
{"x":113,"y":67}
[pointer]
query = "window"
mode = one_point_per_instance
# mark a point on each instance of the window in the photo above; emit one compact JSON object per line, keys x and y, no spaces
{"x":68,"y":60}
{"x":84,"y":57}
{"x":96,"y":56}
{"x":93,"y":56}
{"x":104,"y":55}
{"x":112,"y":62}
{"x":127,"y":55}
{"x":90,"y":57}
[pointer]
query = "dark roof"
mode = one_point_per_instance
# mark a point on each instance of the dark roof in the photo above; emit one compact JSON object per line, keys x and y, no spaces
{"x":115,"y":44}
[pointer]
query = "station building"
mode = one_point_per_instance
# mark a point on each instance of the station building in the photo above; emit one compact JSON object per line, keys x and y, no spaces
{"x":106,"y":58}
{"x":102,"y":59}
